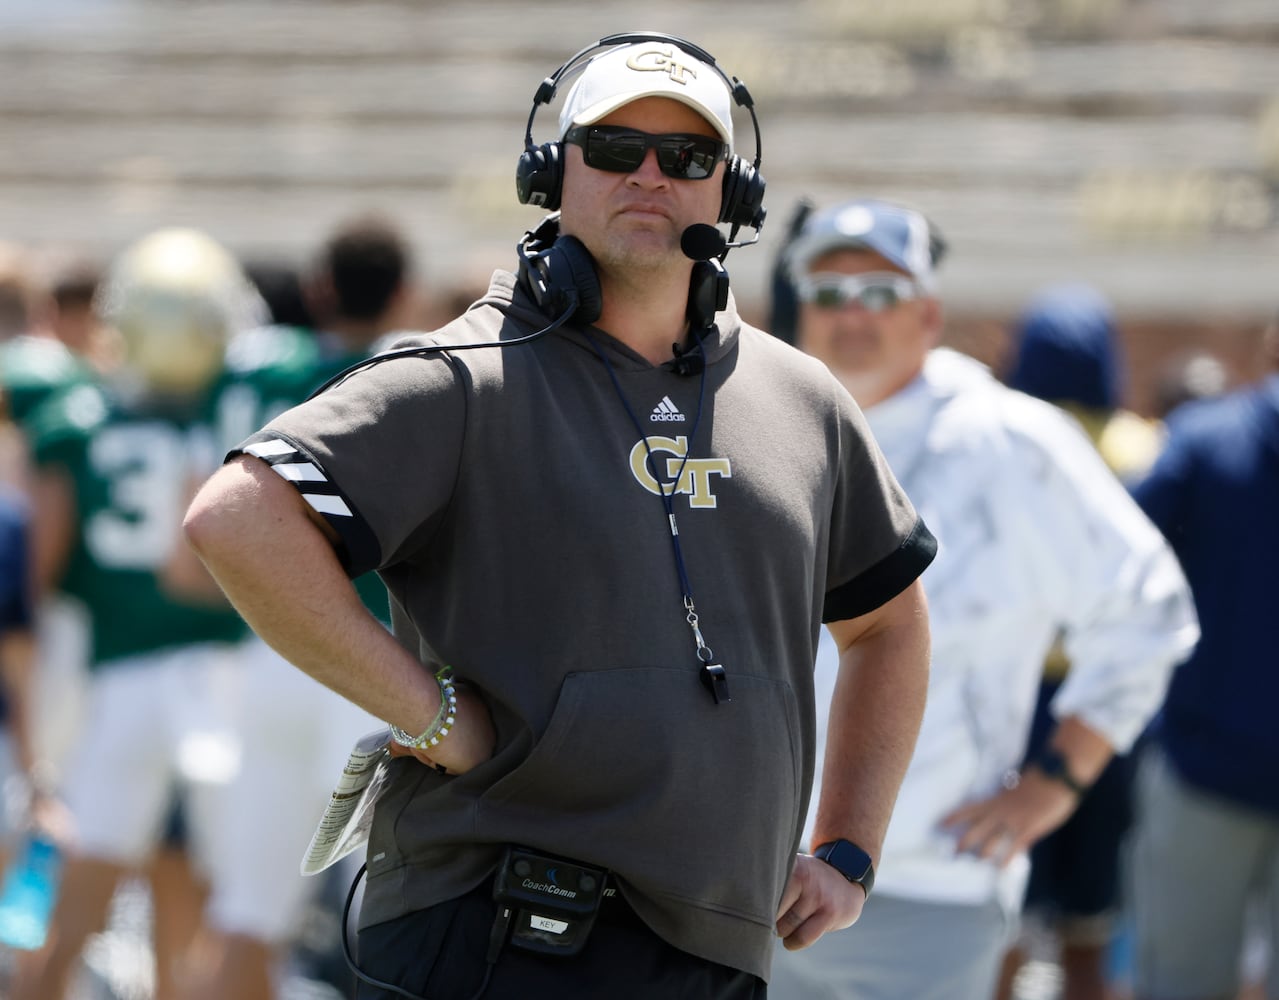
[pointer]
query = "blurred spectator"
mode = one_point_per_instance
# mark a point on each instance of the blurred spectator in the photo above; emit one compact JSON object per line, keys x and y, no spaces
{"x":361,"y":283}
{"x":1066,"y":351}
{"x":111,"y":478}
{"x":34,"y":366}
{"x":1187,"y":377}
{"x":1035,"y":533}
{"x":357,"y":287}
{"x":1206,"y":840}
{"x":23,"y":304}
{"x":280,"y":286}
{"x":24,"y":782}
{"x":33,"y":363}
{"x":74,"y":321}
{"x":21,"y":780}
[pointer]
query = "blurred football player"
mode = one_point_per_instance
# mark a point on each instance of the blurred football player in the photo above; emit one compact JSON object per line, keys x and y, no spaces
{"x":112,"y":470}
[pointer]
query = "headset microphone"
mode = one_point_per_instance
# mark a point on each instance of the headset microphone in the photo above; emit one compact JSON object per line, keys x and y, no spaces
{"x":702,"y":242}
{"x":707,"y":285}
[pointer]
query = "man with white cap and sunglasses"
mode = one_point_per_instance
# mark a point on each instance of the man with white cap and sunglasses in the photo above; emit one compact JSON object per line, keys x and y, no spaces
{"x":609,"y":549}
{"x":1036,"y":536}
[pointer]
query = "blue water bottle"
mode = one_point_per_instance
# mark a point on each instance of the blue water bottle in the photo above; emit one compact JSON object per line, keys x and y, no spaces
{"x":29,"y":893}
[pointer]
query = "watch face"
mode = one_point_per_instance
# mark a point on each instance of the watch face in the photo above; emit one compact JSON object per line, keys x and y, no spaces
{"x":850,"y":861}
{"x":1051,"y":764}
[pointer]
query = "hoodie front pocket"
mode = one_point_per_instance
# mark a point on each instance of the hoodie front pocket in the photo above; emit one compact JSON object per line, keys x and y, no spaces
{"x":641,"y":772}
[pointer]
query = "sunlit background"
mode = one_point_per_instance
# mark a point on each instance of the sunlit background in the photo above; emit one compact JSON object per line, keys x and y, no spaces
{"x":1133,"y":144}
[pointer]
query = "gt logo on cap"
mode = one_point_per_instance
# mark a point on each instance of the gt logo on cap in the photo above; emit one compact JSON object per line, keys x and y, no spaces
{"x":662,"y":61}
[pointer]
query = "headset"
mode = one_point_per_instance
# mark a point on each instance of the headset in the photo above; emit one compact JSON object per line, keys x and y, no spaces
{"x":559,"y":271}
{"x":539,"y":174}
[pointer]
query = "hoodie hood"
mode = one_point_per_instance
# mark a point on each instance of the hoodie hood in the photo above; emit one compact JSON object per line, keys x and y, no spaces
{"x":507,"y":295}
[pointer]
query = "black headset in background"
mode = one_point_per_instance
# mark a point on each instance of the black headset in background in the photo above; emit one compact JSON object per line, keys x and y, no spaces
{"x":783,"y":301}
{"x":559,"y":271}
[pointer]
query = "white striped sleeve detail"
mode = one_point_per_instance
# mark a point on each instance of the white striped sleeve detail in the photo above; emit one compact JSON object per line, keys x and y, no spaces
{"x":270,"y":449}
{"x":301,"y":472}
{"x":327,"y":504}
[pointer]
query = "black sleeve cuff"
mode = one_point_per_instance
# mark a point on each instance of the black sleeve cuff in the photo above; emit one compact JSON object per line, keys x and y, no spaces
{"x":357,"y":547}
{"x":885,"y":580}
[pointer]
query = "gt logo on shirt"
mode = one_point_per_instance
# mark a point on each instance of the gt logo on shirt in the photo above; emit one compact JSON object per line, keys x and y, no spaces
{"x":694,"y":480}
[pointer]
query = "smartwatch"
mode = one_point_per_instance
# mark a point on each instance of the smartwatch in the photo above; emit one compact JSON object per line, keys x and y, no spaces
{"x":850,"y":861}
{"x":1053,"y":764}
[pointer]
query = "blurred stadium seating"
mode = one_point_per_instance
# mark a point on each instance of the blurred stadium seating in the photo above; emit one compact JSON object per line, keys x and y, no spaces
{"x":1132,"y":143}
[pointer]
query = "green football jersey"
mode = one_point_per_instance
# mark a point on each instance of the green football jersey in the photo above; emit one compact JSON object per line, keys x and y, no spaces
{"x":130,"y":472}
{"x":34,"y":368}
{"x":270,"y":370}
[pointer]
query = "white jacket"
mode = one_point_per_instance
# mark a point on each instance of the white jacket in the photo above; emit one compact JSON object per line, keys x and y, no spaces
{"x":1035,"y":534}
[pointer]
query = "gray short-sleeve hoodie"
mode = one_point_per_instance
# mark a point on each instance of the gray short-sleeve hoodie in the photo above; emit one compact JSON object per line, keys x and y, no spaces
{"x":513,"y":510}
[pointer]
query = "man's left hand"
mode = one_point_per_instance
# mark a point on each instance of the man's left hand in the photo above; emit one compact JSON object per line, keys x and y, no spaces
{"x":817,"y":899}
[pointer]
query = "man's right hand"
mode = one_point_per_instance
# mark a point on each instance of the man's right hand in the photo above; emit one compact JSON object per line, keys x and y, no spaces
{"x":817,"y":899}
{"x":470,"y":741}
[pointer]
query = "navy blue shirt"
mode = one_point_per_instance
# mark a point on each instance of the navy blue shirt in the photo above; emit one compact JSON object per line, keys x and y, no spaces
{"x":15,"y":576}
{"x":1215,"y":494}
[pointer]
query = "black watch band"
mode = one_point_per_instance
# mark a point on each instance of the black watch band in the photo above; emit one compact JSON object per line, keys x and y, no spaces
{"x":1053,"y":764}
{"x":850,"y":861}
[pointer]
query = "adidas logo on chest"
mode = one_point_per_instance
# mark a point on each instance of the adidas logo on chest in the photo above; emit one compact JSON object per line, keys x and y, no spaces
{"x":666,"y":412}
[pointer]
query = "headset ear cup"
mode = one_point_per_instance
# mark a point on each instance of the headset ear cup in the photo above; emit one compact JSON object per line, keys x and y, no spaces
{"x":539,"y":176}
{"x":743,"y":199}
{"x":570,"y":265}
{"x":560,"y":274}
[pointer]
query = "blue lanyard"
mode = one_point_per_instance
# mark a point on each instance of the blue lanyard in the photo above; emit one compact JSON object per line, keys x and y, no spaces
{"x":712,"y":674}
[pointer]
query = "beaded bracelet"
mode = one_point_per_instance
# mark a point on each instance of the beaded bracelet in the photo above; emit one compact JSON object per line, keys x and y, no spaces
{"x":441,"y":724}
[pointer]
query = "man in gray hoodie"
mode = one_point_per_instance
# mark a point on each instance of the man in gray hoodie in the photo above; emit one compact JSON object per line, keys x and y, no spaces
{"x":609,"y":549}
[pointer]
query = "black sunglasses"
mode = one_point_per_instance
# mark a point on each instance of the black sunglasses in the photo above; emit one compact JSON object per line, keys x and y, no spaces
{"x":621,"y":150}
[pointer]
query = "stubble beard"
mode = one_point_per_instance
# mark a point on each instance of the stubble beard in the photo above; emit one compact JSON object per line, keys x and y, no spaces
{"x":640,"y":256}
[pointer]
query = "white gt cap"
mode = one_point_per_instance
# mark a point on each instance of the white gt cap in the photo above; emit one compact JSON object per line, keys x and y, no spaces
{"x":648,"y":69}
